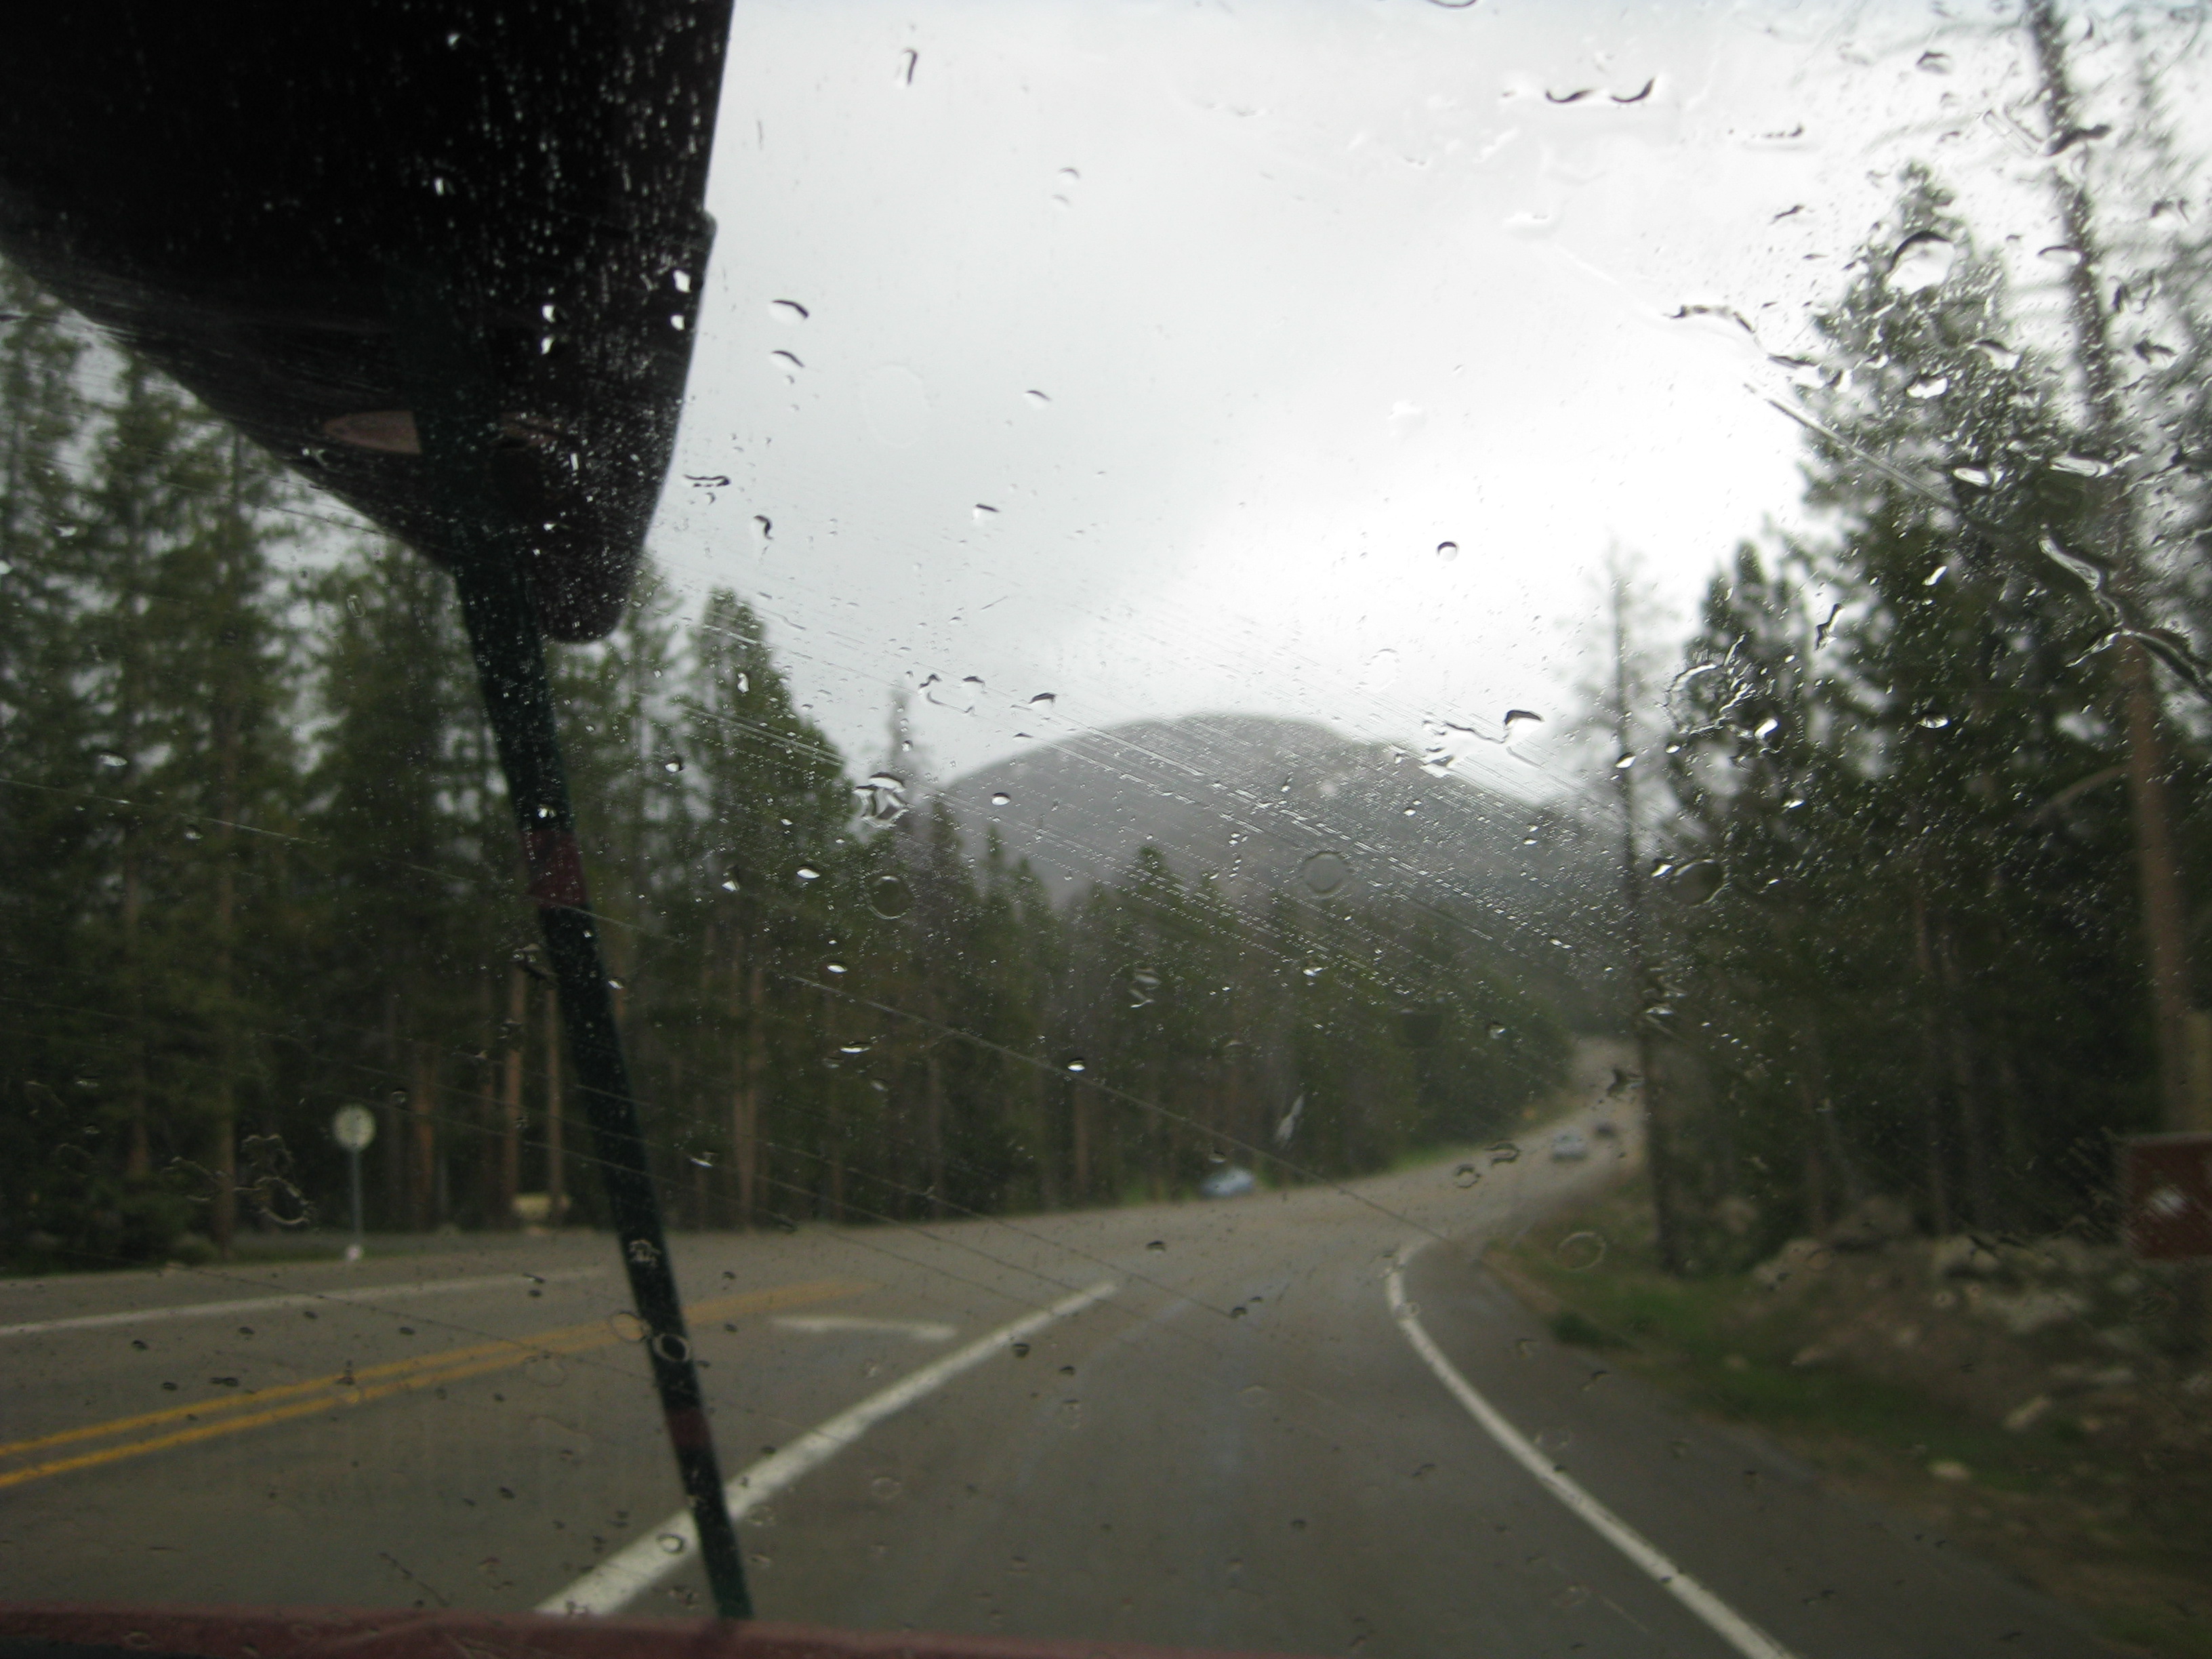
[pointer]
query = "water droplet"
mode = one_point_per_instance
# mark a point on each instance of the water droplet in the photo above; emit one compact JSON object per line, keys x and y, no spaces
{"x":2003,"y":355}
{"x":882,"y":797}
{"x":884,"y":1487}
{"x":1158,"y":1246}
{"x":1075,"y":1066}
{"x":1001,"y":798}
{"x":1921,"y":261}
{"x":1505,"y":1151}
{"x":1466,"y":1176}
{"x":787,"y":311}
{"x":1020,"y":1350}
{"x":1497,"y":1033}
{"x":1936,"y":575}
{"x":1448,"y":551}
{"x":1934,"y":385}
{"x":1254,"y":1395}
{"x":627,"y":1326}
{"x":1972,"y":475}
{"x":889,"y":897}
{"x":833,"y":967}
{"x":1324,"y":872}
{"x":1934,"y":722}
{"x":670,"y":1543}
{"x":1144,"y":987}
{"x":1518,"y":720}
{"x":1696,"y":882}
{"x":1035,"y":399}
{"x":2081,"y":467}
{"x":108,"y":757}
{"x":1579,"y":1252}
{"x":982,"y":512}
{"x":1934,"y":63}
{"x":808,"y":872}
{"x":2061,"y":255}
{"x":1624,"y":763}
{"x":788,"y":362}
{"x":673,"y":763}
{"x":672,"y":1347}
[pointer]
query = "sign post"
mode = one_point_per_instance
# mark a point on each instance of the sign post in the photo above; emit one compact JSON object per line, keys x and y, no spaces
{"x":353,"y":1128}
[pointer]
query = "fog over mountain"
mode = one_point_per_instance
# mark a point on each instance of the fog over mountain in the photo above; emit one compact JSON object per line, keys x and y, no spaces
{"x":1271,"y":806}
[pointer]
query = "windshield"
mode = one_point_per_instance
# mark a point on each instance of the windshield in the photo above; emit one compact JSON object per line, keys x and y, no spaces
{"x":1372,"y":828}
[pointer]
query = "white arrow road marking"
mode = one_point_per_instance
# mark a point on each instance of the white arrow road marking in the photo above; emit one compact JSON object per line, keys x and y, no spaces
{"x":622,"y":1577}
{"x":369,"y":1295}
{"x":919,"y":1330}
{"x":1738,"y":1632}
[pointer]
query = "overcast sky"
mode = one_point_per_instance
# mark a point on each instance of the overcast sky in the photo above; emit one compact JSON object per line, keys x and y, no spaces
{"x":1149,"y":352}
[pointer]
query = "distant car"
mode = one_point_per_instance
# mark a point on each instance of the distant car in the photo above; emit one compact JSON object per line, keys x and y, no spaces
{"x":1569,"y":1145}
{"x":1234,"y":1182}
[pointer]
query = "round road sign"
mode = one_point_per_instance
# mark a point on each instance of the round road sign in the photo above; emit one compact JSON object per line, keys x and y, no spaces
{"x":353,"y":1127}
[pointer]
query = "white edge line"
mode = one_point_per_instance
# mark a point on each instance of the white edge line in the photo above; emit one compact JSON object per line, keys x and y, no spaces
{"x":368,"y":1294}
{"x":1730,"y":1625}
{"x":919,"y":1330}
{"x":622,"y":1577}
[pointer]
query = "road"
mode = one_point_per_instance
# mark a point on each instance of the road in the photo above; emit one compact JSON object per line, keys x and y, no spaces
{"x":1214,"y":1429}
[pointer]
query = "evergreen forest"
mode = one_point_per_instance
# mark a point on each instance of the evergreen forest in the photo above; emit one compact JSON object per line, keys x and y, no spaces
{"x":1908,"y":916}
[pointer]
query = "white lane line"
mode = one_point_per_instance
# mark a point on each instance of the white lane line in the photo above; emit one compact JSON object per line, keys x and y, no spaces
{"x":621,"y":1578}
{"x":1738,"y":1632}
{"x":920,"y":1330}
{"x":308,"y":1299}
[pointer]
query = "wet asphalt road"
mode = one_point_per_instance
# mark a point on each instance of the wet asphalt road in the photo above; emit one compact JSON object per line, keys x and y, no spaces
{"x":1237,"y":1447}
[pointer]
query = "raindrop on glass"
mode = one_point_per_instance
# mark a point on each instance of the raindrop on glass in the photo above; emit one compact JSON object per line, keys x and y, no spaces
{"x":889,"y":897}
{"x":1324,"y":872}
{"x":1921,"y":261}
{"x":1579,"y":1252}
{"x":1697,"y":881}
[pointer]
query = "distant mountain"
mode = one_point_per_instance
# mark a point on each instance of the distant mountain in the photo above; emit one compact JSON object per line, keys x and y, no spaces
{"x":1269,"y":805}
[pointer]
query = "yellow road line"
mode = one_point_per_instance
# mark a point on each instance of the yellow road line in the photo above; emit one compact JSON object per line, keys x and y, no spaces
{"x":358,"y":1386}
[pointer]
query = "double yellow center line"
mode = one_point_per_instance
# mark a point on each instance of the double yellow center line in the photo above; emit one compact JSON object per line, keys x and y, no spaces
{"x":234,"y":1414}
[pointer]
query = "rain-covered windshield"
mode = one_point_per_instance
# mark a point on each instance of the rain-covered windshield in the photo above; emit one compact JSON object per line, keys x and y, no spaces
{"x":1400,"y":838}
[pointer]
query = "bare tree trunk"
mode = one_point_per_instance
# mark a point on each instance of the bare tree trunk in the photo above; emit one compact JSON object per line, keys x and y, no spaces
{"x":2158,"y":863}
{"x":227,"y":719}
{"x":1938,"y":1200}
{"x":422,"y":1102}
{"x":1081,"y":1114}
{"x":223,"y":1216}
{"x":1966,"y":1079}
{"x":1819,"y":1211}
{"x":746,"y":1125}
{"x":934,"y":1128}
{"x":509,"y":1165}
{"x":556,"y":1151}
{"x":1658,"y":1129}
